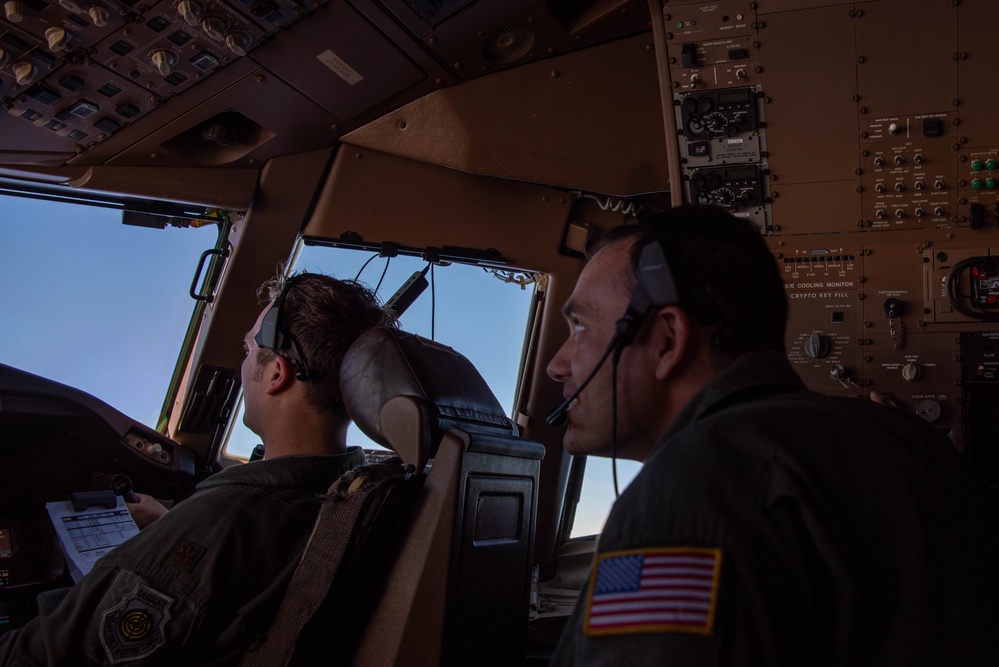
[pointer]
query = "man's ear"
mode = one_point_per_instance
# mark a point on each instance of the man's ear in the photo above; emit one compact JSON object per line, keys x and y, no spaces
{"x":671,"y":337}
{"x":282,"y":375}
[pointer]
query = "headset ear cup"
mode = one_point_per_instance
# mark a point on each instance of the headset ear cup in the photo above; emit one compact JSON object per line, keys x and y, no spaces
{"x":271,"y":336}
{"x":625,"y":330}
{"x":655,"y":286}
{"x":655,"y":276}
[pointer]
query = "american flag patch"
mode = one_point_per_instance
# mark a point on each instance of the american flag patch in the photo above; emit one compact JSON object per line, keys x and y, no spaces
{"x":653,"y":590}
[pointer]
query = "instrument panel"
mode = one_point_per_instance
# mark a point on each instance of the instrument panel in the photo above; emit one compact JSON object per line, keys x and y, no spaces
{"x":872,"y":167}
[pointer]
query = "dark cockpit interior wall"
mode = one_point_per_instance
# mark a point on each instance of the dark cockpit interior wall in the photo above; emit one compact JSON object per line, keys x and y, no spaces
{"x":858,"y":137}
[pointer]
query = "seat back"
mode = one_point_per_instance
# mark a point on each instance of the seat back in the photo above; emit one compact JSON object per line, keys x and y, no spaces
{"x":458,"y":590}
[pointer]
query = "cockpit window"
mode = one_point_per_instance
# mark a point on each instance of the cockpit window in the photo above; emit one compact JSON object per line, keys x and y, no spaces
{"x":479,"y":313}
{"x":96,"y":304}
{"x":597,"y":494}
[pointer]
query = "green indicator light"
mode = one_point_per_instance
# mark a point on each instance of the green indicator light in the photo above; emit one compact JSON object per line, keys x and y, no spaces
{"x":976,"y":183}
{"x":990,"y":163}
{"x":976,"y":164}
{"x":991,"y":184}
{"x":679,"y":24}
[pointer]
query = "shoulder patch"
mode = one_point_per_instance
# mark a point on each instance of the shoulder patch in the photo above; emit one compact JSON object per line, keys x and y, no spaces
{"x":653,"y":590}
{"x":135,"y":628}
{"x":186,"y":555}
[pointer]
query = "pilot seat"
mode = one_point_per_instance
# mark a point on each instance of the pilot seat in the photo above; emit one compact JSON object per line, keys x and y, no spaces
{"x":438,"y":570}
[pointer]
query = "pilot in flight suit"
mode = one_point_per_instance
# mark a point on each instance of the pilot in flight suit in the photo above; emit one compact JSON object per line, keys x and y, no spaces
{"x":201,"y":584}
{"x":769,"y":525}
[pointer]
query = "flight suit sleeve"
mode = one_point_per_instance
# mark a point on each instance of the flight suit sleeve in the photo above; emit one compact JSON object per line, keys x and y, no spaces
{"x":111,"y":617}
{"x":766,"y":600}
{"x":645,"y":607}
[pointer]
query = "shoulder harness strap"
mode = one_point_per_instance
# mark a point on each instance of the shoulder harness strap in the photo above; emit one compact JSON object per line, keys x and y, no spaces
{"x":320,"y":562}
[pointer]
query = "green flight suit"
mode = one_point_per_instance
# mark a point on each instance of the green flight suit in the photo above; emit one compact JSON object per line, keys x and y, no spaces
{"x":775,"y":526}
{"x":199,"y":585}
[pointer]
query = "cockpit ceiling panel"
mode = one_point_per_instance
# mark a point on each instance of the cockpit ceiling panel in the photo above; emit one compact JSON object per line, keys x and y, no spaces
{"x":523,"y":123}
{"x":18,"y":146}
{"x":488,"y":36}
{"x":341,"y":61}
{"x":132,"y":81}
{"x":214,"y":134}
{"x":86,"y":72}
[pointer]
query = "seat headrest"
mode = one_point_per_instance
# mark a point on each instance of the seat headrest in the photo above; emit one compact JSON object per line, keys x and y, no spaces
{"x":405,"y":392}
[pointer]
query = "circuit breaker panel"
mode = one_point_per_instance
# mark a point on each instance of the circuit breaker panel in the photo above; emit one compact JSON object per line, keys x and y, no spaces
{"x":859,"y":137}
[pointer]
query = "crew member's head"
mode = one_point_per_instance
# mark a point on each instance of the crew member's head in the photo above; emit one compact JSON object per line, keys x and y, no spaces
{"x":729,"y":300}
{"x":308,"y":323}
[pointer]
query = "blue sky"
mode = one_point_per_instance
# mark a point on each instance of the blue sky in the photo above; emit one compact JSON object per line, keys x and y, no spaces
{"x":95,"y":304}
{"x":103,"y":307}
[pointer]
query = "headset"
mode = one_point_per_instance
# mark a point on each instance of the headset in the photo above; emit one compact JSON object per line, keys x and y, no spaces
{"x":656,"y":287}
{"x":272,"y":337}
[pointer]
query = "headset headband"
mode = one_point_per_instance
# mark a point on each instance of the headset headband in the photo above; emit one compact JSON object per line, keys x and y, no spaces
{"x":272,"y":337}
{"x":655,"y":286}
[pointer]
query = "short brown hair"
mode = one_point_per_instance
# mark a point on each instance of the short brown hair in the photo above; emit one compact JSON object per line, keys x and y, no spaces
{"x":324,"y":316}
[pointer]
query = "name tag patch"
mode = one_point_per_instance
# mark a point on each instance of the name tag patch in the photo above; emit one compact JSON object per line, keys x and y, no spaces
{"x":653,"y":590}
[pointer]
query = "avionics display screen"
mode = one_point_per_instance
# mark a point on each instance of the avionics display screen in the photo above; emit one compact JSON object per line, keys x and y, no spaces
{"x":732,"y":98}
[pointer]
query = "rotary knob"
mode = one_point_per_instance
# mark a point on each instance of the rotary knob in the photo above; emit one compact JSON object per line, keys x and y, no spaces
{"x":911,"y":372}
{"x":163,"y":60}
{"x":237,"y":43}
{"x":24,"y":71}
{"x":214,"y":27}
{"x":817,"y":346}
{"x":190,"y":11}
{"x":57,"y":38}
{"x":99,"y":16}
{"x":13,"y":10}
